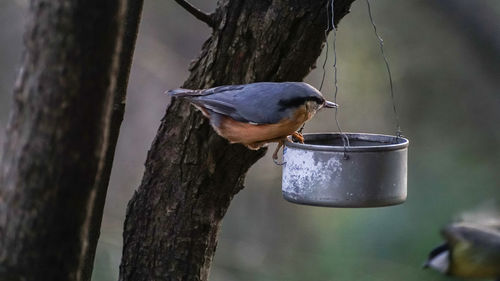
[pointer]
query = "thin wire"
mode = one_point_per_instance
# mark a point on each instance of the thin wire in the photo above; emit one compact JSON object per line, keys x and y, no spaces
{"x":399,"y":133}
{"x":326,"y":57}
{"x":327,"y":47}
{"x":345,"y":139}
{"x":331,"y":24}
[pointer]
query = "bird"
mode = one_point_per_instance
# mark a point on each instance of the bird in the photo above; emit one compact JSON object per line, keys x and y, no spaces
{"x":471,"y":250}
{"x":259,"y":113}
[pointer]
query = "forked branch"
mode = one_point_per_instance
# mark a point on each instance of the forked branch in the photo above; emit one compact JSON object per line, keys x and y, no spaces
{"x":197,"y":13}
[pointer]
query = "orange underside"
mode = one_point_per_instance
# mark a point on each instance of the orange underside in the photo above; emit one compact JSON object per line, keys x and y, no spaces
{"x":254,"y":136}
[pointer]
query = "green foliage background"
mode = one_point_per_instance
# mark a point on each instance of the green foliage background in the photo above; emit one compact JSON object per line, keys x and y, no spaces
{"x":446,"y":77}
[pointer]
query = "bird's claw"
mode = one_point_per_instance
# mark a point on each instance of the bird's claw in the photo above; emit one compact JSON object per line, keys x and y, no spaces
{"x":278,"y":163}
{"x":275,"y":153}
{"x":298,"y":137}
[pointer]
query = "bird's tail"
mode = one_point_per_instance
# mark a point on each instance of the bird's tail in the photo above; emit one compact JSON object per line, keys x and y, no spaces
{"x":180,"y":93}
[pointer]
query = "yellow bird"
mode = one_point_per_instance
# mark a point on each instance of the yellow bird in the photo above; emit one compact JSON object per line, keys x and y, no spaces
{"x":470,"y":251}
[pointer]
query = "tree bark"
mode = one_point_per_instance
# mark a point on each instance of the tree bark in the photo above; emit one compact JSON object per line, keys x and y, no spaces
{"x":67,"y":110}
{"x":191,"y":173}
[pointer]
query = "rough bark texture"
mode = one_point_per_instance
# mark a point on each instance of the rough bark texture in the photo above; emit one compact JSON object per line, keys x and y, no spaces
{"x":130,"y":22}
{"x":191,"y":173}
{"x":67,"y":110}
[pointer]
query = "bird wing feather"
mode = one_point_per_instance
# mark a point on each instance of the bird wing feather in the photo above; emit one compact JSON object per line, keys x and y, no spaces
{"x":256,"y":103}
{"x":471,"y":233}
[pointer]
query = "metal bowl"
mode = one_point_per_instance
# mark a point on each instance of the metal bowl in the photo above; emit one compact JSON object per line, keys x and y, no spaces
{"x":370,"y":172}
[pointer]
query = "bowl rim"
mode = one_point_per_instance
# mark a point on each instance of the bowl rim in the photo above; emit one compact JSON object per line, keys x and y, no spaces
{"x":388,"y":145}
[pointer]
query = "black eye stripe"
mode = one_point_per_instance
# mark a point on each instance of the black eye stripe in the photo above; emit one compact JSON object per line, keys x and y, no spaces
{"x":438,"y":250}
{"x":296,"y":102}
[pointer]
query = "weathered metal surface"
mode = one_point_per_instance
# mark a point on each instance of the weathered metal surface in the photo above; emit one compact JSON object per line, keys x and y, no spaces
{"x":317,"y":173}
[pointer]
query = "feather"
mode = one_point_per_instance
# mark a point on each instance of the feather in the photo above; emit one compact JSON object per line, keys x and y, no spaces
{"x":256,"y":103}
{"x":180,"y":93}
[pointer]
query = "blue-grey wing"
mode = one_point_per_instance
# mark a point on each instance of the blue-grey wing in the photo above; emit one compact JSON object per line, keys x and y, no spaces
{"x":213,"y":104}
{"x":258,"y":103}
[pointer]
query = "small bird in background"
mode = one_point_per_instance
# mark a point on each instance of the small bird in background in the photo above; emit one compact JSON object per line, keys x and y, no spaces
{"x":258,"y":113}
{"x":471,"y":250}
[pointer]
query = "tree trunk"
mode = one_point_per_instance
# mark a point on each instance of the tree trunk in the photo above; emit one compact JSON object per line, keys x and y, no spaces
{"x":67,"y":111}
{"x":191,"y":173}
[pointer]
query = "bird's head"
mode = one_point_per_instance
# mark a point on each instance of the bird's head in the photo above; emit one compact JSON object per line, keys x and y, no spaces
{"x":314,"y":100}
{"x":307,"y":96}
{"x":316,"y":104}
{"x":439,"y":259}
{"x":310,"y":103}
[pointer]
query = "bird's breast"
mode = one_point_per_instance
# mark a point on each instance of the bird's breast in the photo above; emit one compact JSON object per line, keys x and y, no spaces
{"x":470,"y":262}
{"x":246,"y":133}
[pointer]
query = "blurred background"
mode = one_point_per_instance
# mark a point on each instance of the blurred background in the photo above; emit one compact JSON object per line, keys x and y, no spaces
{"x":445,"y":59}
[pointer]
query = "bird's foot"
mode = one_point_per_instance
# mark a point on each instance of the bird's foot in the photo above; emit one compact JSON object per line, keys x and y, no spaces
{"x":275,"y":153}
{"x":254,"y":146}
{"x":298,"y":137}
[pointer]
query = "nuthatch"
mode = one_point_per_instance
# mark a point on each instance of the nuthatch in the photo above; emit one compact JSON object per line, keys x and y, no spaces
{"x":471,"y":251}
{"x":258,"y":113}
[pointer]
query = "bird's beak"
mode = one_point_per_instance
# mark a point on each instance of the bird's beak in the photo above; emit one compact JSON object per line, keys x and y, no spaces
{"x":329,"y":104}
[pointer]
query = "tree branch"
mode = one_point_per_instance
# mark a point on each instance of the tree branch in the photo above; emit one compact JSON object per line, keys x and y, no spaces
{"x":131,"y":19}
{"x":197,"y":13}
{"x":67,"y":110}
{"x":192,"y":174}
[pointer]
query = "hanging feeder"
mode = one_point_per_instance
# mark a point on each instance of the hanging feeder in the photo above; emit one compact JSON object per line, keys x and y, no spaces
{"x":347,"y":169}
{"x":370,"y":172}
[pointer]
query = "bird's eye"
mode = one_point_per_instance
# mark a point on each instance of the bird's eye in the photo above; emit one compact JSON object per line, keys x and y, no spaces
{"x":317,"y":106}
